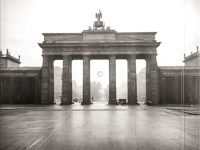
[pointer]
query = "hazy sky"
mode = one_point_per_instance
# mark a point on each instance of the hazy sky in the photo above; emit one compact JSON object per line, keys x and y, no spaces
{"x":176,"y":22}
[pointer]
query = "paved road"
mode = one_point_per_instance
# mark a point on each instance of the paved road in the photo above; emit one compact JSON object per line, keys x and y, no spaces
{"x":98,"y":127}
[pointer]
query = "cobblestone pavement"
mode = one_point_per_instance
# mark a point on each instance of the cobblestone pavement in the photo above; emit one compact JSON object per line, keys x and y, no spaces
{"x":99,"y":127}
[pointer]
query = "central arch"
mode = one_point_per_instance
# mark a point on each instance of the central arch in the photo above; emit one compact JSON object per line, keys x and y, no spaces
{"x":99,"y":73}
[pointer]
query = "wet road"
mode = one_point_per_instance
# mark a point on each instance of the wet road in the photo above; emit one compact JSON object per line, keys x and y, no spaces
{"x":98,"y":127}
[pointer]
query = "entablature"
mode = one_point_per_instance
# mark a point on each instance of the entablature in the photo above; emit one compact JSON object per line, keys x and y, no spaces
{"x":88,"y":36}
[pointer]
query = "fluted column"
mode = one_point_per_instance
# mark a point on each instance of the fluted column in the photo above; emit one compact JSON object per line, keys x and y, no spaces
{"x":86,"y":80}
{"x":51,"y":81}
{"x":112,"y":80}
{"x":148,"y":81}
{"x":132,"y":83}
{"x":154,"y":81}
{"x":67,"y":81}
{"x":45,"y":81}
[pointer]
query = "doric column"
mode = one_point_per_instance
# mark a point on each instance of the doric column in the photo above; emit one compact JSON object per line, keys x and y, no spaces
{"x":132,"y":83}
{"x":51,"y":81}
{"x":67,"y":81}
{"x":45,"y":81}
{"x":148,"y":81}
{"x":86,"y":80}
{"x":112,"y":80}
{"x":154,"y":81}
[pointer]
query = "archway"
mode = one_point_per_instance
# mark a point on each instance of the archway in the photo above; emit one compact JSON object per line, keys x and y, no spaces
{"x":99,"y":81}
{"x":141,"y":80}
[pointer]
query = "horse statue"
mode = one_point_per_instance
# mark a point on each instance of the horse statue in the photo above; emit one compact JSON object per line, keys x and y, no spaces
{"x":98,"y":24}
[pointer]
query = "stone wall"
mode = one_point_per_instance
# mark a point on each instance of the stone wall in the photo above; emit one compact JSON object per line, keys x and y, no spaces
{"x":179,"y":85}
{"x":20,"y":85}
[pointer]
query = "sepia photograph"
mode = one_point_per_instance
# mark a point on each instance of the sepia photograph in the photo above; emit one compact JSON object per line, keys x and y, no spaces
{"x":99,"y":75}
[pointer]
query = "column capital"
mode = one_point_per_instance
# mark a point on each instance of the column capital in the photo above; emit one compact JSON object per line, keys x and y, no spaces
{"x":150,"y":57}
{"x":132,"y":55}
{"x":66,"y":56}
{"x":86,"y":57}
{"x":112,"y":56}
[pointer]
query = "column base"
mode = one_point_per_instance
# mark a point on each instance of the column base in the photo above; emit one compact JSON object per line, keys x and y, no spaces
{"x":151,"y":103}
{"x":66,"y":103}
{"x":113,"y":102}
{"x":133,"y":103}
{"x":86,"y":103}
{"x":52,"y":103}
{"x":42,"y":103}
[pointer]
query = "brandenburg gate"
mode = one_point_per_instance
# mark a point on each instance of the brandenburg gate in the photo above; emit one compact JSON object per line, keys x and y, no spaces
{"x":99,"y":43}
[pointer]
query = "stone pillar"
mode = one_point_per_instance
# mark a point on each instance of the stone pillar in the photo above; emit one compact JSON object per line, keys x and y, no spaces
{"x":86,"y":80}
{"x":51,"y":81}
{"x":112,"y":80}
{"x":45,"y":81}
{"x":67,"y":81}
{"x":148,"y":81}
{"x":132,"y":82}
{"x":154,"y":80}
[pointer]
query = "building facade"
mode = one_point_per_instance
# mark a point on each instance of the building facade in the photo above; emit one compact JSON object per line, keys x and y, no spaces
{"x":99,"y":44}
{"x":193,"y":59}
{"x":179,"y":85}
{"x":20,"y":85}
{"x":9,"y":61}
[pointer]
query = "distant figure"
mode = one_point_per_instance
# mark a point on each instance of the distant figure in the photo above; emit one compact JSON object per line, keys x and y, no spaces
{"x":89,"y":28}
{"x":92,"y":98}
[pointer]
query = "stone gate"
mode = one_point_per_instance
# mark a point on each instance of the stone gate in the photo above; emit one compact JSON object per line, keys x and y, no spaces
{"x":99,"y":43}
